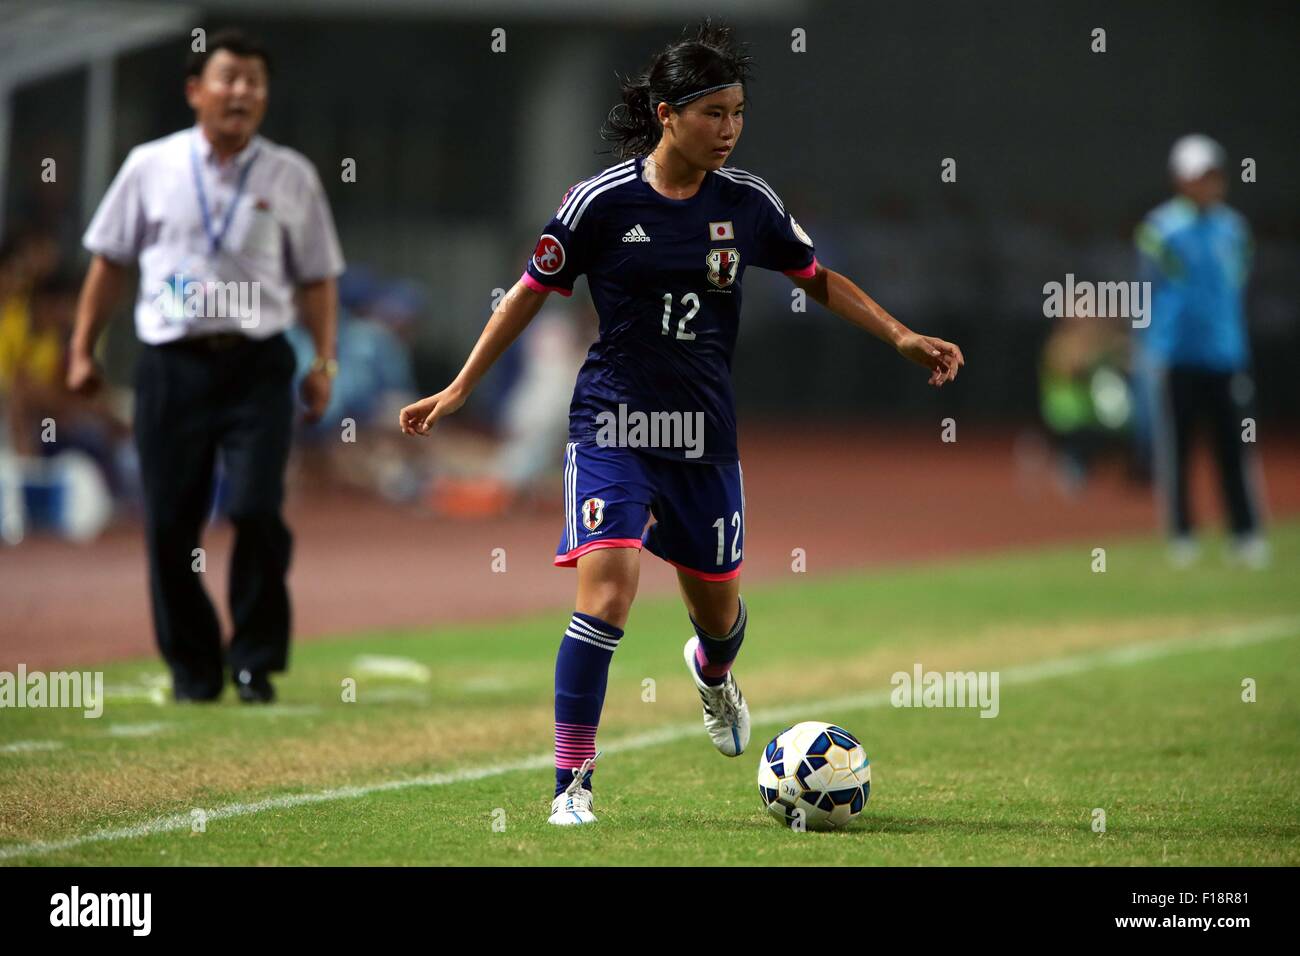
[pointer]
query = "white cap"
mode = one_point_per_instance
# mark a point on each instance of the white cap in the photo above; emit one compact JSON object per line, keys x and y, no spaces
{"x":1193,"y":156}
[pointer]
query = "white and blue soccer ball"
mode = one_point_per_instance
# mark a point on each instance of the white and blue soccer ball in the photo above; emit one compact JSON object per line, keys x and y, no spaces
{"x":814,"y":776}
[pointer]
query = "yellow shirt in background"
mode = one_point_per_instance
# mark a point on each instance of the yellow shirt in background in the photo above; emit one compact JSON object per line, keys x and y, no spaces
{"x":37,"y":356}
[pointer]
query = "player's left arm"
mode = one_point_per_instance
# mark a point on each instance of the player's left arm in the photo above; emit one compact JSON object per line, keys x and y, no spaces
{"x":843,"y":297}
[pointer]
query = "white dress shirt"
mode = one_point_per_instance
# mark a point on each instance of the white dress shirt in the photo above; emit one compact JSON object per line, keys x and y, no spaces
{"x":265,"y":205}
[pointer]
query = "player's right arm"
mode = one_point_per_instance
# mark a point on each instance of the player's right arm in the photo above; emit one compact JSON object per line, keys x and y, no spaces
{"x":99,"y":294}
{"x":560,"y":256}
{"x":510,"y":319}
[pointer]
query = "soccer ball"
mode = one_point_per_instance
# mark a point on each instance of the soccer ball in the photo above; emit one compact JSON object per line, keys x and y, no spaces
{"x":816,"y":774}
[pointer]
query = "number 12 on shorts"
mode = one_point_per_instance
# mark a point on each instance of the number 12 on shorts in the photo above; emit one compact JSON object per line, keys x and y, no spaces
{"x":721,"y":525}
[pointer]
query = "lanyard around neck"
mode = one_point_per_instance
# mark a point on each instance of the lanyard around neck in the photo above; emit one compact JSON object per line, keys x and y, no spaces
{"x":215,"y":239}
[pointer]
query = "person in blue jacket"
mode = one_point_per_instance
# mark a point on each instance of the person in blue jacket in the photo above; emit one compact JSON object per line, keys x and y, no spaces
{"x":1195,"y":251}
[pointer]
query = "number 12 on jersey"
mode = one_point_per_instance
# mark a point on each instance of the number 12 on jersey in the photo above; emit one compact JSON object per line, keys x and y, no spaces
{"x":689,"y":299}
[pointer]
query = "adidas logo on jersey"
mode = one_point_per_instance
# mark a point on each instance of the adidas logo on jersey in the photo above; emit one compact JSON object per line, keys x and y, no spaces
{"x":636,"y":234}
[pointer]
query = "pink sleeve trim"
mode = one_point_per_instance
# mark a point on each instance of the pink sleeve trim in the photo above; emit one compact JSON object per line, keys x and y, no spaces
{"x":528,"y":280}
{"x":807,"y":272}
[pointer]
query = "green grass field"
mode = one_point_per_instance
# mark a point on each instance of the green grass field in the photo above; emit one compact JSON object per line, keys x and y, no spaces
{"x":1120,"y":691}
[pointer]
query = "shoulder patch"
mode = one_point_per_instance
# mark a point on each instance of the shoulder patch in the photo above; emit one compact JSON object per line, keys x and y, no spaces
{"x":548,"y":257}
{"x":798,"y":231}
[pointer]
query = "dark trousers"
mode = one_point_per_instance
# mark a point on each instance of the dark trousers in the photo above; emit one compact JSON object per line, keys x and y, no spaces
{"x":233,"y":397}
{"x":1190,"y":398}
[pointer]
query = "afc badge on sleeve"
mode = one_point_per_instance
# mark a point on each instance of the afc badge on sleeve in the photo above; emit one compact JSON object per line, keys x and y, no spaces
{"x":548,"y":257}
{"x":798,"y":231}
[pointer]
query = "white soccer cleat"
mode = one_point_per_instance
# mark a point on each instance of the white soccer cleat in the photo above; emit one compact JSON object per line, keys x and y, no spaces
{"x":1251,"y":551}
{"x":570,"y":809}
{"x":573,"y":806}
{"x":726,"y":715}
{"x":1184,"y":551}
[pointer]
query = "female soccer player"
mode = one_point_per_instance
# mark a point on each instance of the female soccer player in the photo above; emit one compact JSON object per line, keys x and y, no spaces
{"x":664,"y":238}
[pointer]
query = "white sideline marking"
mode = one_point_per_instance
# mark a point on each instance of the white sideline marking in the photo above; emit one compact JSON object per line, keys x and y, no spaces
{"x":279,"y":710}
{"x":132,"y":694}
{"x":30,"y":746}
{"x":148,"y":689}
{"x":393,"y":668}
{"x":1237,"y":636}
{"x":136,"y":730}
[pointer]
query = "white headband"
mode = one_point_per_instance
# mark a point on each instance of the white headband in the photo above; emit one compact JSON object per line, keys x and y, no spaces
{"x":704,"y":92}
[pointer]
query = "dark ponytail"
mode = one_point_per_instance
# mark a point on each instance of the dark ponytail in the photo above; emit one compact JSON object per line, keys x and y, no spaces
{"x":710,"y":58}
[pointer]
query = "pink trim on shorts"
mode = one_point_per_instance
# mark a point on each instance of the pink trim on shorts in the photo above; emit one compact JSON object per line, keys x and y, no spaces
{"x":807,"y":272}
{"x":528,"y":280}
{"x":706,"y":575}
{"x":570,"y":558}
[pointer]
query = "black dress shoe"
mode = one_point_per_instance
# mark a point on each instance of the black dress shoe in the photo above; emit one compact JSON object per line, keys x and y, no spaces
{"x":254,"y":687}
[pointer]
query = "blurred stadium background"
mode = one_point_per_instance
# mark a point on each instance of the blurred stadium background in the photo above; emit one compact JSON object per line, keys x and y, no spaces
{"x":462,"y":153}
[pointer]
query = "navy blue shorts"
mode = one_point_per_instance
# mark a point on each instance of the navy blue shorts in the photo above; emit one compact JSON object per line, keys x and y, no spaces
{"x":610,"y":493}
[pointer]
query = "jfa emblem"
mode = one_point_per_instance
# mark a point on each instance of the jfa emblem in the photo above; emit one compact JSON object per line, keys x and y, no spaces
{"x":548,"y":257}
{"x":593,"y":513}
{"x":723,"y":265}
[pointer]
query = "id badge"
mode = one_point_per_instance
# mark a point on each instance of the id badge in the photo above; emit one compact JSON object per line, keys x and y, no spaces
{"x":181,"y":300}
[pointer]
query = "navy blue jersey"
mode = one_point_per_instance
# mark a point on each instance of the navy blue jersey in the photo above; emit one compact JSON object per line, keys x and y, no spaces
{"x":665,"y":277}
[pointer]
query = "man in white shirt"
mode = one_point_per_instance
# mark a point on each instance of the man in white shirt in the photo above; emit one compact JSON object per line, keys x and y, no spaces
{"x":233,"y":236}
